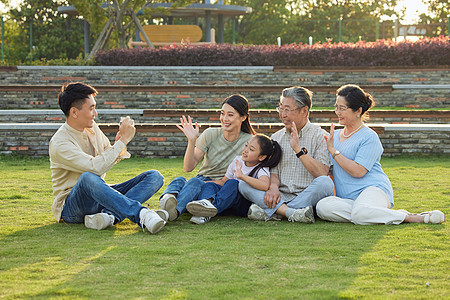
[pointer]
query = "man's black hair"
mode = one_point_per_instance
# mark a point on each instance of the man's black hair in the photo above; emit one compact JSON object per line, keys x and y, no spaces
{"x":74,"y":94}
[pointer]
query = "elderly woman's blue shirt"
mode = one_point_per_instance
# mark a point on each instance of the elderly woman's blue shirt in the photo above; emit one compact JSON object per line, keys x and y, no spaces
{"x":364,"y":147}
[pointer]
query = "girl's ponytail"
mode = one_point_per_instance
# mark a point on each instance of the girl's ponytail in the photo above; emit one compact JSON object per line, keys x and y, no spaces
{"x":271,"y":149}
{"x":275,"y":158}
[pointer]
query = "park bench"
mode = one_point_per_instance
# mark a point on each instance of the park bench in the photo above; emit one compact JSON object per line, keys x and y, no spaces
{"x":160,"y":35}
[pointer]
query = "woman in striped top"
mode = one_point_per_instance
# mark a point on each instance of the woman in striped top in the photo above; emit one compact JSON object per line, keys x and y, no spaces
{"x":364,"y":193}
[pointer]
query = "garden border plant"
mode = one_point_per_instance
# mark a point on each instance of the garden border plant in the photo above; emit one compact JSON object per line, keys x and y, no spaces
{"x":424,"y":52}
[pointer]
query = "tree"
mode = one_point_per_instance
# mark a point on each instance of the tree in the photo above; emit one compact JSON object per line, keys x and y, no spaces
{"x":51,"y":36}
{"x":118,"y":15}
{"x":268,"y":20}
{"x":358,"y":18}
{"x":438,"y":13}
{"x":296,"y":20}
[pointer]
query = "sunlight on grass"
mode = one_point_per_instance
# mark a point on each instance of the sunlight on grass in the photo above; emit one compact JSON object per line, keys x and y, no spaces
{"x":410,"y":261}
{"x":126,"y":228}
{"x":175,"y":294}
{"x":37,"y":278}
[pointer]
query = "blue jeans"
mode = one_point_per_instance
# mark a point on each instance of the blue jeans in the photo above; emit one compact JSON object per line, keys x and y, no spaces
{"x":92,"y":195}
{"x":185,"y":190}
{"x":320,"y":188}
{"x":226,"y":198}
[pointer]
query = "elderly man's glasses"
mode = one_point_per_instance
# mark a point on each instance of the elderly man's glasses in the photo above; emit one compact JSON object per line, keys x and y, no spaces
{"x":285,"y":110}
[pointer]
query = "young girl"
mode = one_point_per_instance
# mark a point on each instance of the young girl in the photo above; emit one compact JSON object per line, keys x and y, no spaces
{"x":222,"y":196}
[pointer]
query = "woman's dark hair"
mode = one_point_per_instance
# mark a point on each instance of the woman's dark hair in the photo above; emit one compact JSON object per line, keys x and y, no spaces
{"x":240,"y":104}
{"x":270,"y":148}
{"x":356,"y":98}
{"x":74,"y":94}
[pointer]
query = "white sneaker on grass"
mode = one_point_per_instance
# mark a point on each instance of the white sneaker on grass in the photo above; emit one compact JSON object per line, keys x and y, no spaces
{"x":202,"y":208}
{"x":258,"y":214}
{"x":200,"y":220}
{"x":163,"y":214}
{"x":151,"y":221}
{"x":433,"y":217}
{"x":168,"y":203}
{"x":99,"y":221}
{"x":303,"y":215}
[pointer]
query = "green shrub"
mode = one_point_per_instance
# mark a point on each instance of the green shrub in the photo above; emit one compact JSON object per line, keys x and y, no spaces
{"x":425,"y":52}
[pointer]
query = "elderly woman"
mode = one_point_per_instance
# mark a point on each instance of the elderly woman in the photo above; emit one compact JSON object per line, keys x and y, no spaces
{"x":217,"y":147}
{"x":363,"y":191}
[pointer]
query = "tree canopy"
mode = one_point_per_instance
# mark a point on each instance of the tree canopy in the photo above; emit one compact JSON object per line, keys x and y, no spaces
{"x":120,"y":13}
{"x":296,"y":20}
{"x":35,"y":30}
{"x":438,"y":14}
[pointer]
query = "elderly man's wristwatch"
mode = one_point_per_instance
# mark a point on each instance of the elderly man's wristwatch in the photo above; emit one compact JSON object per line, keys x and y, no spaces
{"x":303,"y":151}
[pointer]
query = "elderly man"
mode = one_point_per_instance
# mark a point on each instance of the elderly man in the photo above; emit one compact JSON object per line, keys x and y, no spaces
{"x":300,"y":180}
{"x":80,"y":155}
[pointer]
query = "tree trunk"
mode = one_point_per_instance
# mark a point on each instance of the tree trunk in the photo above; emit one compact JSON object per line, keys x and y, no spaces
{"x":120,"y":13}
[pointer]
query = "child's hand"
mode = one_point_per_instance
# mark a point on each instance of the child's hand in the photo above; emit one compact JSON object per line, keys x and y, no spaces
{"x":238,"y":171}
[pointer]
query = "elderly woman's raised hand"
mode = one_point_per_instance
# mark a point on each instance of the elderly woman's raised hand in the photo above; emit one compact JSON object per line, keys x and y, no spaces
{"x":330,"y":139}
{"x":188,"y":129}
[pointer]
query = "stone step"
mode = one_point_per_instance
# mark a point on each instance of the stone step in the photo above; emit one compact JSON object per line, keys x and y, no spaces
{"x":14,"y":96}
{"x":209,"y":115}
{"x":36,"y":87}
{"x":166,"y":140}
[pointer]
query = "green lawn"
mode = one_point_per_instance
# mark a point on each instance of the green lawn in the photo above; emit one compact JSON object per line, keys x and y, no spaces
{"x":227,"y":258}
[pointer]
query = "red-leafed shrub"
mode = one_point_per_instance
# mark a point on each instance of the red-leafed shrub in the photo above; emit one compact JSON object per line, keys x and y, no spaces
{"x":424,"y":52}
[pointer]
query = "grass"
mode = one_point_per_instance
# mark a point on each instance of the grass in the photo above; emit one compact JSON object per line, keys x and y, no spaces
{"x":227,"y":258}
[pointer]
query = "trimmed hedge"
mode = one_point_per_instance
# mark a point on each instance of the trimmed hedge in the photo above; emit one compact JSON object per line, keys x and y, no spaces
{"x":424,"y":52}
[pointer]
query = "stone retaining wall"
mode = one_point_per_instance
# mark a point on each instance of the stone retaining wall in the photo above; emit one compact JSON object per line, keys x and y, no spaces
{"x":143,"y":89}
{"x":206,"y":87}
{"x":223,"y":76}
{"x":158,"y":140}
{"x":138,"y":97}
{"x":256,"y":116}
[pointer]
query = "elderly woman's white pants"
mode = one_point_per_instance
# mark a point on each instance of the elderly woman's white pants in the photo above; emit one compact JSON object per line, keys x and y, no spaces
{"x":371,"y":207}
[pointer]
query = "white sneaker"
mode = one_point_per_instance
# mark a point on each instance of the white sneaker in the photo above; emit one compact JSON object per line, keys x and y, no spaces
{"x":433,"y":217}
{"x":203,"y":208}
{"x":99,"y":221}
{"x":163,"y":214}
{"x":303,"y":215}
{"x":257,"y":213}
{"x":151,"y":221}
{"x":200,"y":220}
{"x":168,"y":203}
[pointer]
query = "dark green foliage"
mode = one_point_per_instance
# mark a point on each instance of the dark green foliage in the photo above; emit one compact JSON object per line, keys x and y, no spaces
{"x":425,"y":52}
{"x":53,"y":35}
